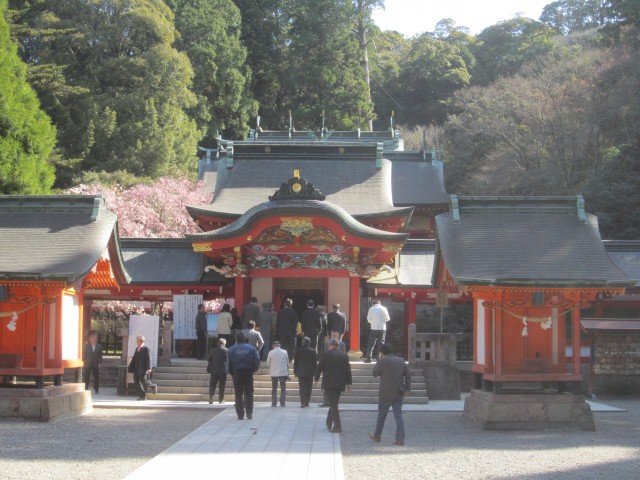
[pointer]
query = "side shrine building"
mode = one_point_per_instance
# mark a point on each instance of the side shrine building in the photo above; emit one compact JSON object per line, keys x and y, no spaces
{"x":337,"y":217}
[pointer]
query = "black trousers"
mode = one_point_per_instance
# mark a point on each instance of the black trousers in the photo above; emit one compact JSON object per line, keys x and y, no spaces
{"x":305,"y":384}
{"x":333,"y":415}
{"x":87,"y":372}
{"x":201,"y":345}
{"x":288,"y":343}
{"x":142,"y":382}
{"x":243,"y":385}
{"x":221,"y":380}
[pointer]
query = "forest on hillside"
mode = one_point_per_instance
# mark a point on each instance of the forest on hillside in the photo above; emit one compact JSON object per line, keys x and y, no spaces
{"x":123,"y":92}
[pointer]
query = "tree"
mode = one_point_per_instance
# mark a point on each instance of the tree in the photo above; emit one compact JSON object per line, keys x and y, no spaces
{"x":506,"y":46}
{"x":569,"y":16}
{"x":363,"y":10}
{"x":210,"y":36}
{"x":433,"y":70}
{"x":130,"y":86}
{"x":566,"y":124}
{"x":388,"y":53}
{"x":27,"y":137}
{"x":153,"y":210}
{"x":323,"y":66}
{"x":265,"y":35}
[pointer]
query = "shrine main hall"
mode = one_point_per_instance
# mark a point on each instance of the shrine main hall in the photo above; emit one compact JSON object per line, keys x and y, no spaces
{"x":336,"y":217}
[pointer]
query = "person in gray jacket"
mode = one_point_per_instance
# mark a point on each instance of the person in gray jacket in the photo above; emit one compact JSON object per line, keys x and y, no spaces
{"x":395,"y":382}
{"x":254,"y":338}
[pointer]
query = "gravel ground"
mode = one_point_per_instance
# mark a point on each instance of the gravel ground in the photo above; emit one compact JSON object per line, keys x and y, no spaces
{"x":105,"y":444}
{"x":111,"y":443}
{"x":448,"y":446}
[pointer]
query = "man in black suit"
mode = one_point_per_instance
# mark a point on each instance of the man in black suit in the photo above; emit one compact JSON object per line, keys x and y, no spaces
{"x":140,"y":366}
{"x":218,"y":367}
{"x":395,"y":382}
{"x":337,"y":321}
{"x":336,"y":375}
{"x":311,"y":322}
{"x":305,"y":360}
{"x":92,"y":358}
{"x":201,"y":333}
{"x":286,"y":324}
{"x":250,"y":311}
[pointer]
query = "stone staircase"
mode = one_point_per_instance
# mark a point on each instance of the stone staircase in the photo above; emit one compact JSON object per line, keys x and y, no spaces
{"x":188,"y":380}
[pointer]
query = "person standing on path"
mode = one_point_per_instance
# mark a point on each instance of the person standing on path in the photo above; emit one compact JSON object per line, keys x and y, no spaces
{"x":244,"y":361}
{"x":378,"y":316}
{"x":140,"y":366}
{"x":278,"y":363}
{"x":336,"y":375}
{"x":92,"y":358}
{"x":218,"y":367}
{"x":311,"y":322}
{"x":395,"y":382}
{"x":336,"y":321}
{"x":266,"y":326}
{"x":253,"y":336}
{"x":286,"y":324}
{"x":201,"y":333}
{"x":305,"y":361}
{"x":250,"y":312}
{"x":225,"y":322}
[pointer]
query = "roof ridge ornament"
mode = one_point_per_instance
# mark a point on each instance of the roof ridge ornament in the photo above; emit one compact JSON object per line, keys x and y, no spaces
{"x":297,"y":188}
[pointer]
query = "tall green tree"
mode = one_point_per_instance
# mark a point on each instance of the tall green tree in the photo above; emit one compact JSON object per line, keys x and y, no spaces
{"x":128,"y":109}
{"x":389,"y":50}
{"x":210,"y":36}
{"x":432,"y":72}
{"x":364,"y":27}
{"x":504,"y":47}
{"x":569,"y":16}
{"x":265,"y":35}
{"x":324,"y":68}
{"x":27,"y":137}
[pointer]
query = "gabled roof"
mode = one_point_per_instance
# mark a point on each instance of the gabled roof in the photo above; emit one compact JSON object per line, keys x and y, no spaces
{"x":314,"y":208}
{"x":351,"y":176}
{"x":56,"y":237}
{"x":416,"y":181}
{"x":153,"y":261}
{"x":626,"y":255}
{"x":415,"y":265}
{"x":523,"y":241}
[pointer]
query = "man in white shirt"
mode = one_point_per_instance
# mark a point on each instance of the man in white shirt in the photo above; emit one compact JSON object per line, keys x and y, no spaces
{"x":278,"y":363}
{"x":377,"y":317}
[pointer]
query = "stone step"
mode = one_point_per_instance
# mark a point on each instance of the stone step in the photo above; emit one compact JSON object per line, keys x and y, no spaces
{"x":187,"y":380}
{"x":292,"y":398}
{"x":204,"y":377}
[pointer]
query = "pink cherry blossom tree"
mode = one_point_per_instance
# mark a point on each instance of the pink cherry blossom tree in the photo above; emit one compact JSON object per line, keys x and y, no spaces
{"x":156,"y":210}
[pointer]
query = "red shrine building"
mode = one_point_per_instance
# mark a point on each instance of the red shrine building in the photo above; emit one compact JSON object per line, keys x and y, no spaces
{"x":338,"y":217}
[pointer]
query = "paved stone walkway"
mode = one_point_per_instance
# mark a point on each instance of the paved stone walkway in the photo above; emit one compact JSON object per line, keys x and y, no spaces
{"x":277,"y":444}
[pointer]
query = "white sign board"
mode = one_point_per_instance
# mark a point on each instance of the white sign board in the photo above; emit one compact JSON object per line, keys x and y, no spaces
{"x":70,"y":327}
{"x":148,"y":326}
{"x":185,"y":309}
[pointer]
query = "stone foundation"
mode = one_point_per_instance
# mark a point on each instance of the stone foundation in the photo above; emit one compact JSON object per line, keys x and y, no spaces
{"x":529,"y":411}
{"x":48,"y":404}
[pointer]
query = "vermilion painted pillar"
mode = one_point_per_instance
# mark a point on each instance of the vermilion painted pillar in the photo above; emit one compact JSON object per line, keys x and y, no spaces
{"x":576,"y":339}
{"x":239,"y":293}
{"x":410,"y":305}
{"x":354,"y":317}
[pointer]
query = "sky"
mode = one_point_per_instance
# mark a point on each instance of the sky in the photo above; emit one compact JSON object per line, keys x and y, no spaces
{"x":413,"y":17}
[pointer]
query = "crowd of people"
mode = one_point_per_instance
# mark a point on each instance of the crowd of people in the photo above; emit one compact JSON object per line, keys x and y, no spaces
{"x":313,"y":342}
